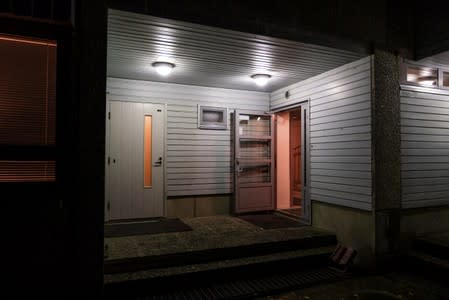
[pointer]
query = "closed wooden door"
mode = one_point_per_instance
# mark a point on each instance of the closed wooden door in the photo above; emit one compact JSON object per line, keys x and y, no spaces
{"x":136,"y":158}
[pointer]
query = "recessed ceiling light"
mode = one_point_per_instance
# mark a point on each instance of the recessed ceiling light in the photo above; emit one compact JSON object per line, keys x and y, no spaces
{"x":261,"y":79}
{"x":163,"y":68}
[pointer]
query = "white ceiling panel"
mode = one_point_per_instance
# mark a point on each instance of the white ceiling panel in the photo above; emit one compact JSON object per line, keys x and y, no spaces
{"x":209,"y":56}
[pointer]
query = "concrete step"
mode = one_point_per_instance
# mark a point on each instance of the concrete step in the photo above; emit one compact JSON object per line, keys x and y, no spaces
{"x":430,"y":255}
{"x":430,"y":260}
{"x":221,"y":273}
{"x":433,"y":245}
{"x":133,"y":264}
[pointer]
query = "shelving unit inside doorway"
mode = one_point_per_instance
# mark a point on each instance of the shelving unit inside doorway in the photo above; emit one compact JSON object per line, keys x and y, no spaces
{"x":254,"y":157}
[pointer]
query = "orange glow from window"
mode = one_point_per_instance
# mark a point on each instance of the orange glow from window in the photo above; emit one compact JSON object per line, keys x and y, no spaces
{"x":27,"y":105}
{"x":26,"y":40}
{"x":27,"y":171}
{"x":147,"y":153}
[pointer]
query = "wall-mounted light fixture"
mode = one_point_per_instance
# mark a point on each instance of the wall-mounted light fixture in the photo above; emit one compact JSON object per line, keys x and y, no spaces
{"x":163,"y":68}
{"x":261,"y":79}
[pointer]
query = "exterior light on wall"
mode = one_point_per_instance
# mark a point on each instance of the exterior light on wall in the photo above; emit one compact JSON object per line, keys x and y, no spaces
{"x":163,"y":68}
{"x":261,"y":79}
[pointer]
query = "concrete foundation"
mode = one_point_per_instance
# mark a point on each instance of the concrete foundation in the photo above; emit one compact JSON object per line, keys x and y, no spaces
{"x":353,"y":227}
{"x":198,"y":206}
{"x":415,"y":222}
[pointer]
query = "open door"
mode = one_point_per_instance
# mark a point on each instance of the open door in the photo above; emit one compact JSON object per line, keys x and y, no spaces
{"x":254,"y":157}
{"x":292,"y":161}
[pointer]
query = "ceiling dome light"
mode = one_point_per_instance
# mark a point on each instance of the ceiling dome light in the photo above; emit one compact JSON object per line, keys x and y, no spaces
{"x":163,"y":68}
{"x":261,"y":79}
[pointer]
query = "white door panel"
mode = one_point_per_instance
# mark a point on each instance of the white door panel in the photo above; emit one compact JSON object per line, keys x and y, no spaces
{"x":129,"y":199}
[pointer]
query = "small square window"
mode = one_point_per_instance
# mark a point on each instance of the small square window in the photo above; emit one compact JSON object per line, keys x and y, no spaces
{"x":212,"y":117}
{"x":422,"y":76}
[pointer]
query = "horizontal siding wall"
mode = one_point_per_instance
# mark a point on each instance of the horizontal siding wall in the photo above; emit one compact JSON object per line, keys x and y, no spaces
{"x":198,"y":161}
{"x":340,"y":132}
{"x":424,"y":148}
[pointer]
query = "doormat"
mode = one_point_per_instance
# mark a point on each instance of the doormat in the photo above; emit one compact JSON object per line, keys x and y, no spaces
{"x":270,"y":221}
{"x":145,"y":227}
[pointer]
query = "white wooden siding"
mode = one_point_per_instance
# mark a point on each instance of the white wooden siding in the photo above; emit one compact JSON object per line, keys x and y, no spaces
{"x":340,"y":132}
{"x":198,"y":161}
{"x":424,"y":148}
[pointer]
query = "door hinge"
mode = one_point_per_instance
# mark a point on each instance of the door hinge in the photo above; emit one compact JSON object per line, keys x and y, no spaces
{"x":109,"y":160}
{"x":109,"y":115}
{"x":109,"y":206}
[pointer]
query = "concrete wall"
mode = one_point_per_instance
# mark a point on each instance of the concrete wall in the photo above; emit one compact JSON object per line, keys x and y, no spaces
{"x":419,"y":221}
{"x":198,"y":206}
{"x":353,"y":228}
{"x":424,"y":220}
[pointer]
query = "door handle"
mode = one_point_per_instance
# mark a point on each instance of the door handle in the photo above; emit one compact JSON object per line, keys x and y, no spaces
{"x":158,"y":163}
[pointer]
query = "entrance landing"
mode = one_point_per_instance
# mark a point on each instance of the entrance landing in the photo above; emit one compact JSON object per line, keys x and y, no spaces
{"x":215,"y":242}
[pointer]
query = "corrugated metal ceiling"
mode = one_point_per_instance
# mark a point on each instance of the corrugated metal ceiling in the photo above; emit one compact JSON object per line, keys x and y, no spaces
{"x":209,"y":56}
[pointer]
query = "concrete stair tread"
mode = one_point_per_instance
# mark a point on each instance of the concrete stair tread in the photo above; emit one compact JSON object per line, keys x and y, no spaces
{"x":437,"y":238}
{"x":304,"y":255}
{"x":442,"y":263}
{"x":208,"y":233}
{"x":133,"y":264}
{"x":432,"y":247}
{"x":433,"y":241}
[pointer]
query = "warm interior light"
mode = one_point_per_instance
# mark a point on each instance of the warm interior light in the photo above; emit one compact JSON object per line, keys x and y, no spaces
{"x":427,"y":80}
{"x":422,"y":76}
{"x":261,"y":79}
{"x":163,"y":68}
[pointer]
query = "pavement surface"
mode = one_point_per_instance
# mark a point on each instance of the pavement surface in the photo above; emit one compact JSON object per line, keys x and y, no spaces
{"x":395,"y":285}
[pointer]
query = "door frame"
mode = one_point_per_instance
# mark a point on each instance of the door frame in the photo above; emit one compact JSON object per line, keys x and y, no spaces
{"x":107,"y":217}
{"x":306,"y":209}
{"x":236,"y":158}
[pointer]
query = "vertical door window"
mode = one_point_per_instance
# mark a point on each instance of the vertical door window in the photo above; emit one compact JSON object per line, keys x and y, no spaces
{"x":27,"y":109}
{"x":148,"y":145}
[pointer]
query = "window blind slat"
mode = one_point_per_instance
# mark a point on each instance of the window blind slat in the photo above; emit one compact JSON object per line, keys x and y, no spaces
{"x":27,"y":171}
{"x":27,"y":92}
{"x":27,"y":109}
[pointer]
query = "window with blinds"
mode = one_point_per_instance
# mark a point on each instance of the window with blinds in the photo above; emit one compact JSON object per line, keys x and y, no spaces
{"x":27,"y":108}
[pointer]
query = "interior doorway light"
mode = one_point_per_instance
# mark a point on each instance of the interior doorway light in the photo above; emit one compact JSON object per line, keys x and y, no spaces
{"x":427,"y":80}
{"x":261,"y":79}
{"x":163,"y":68}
